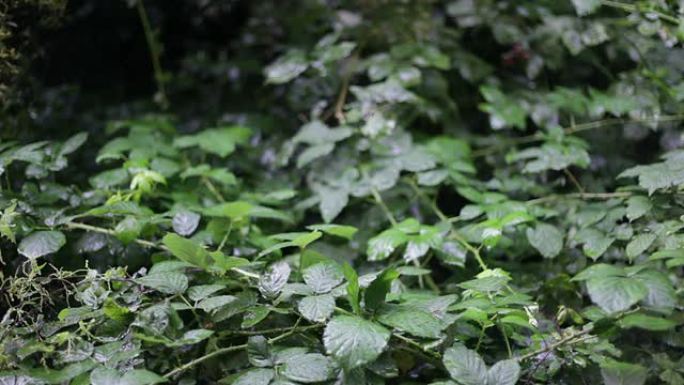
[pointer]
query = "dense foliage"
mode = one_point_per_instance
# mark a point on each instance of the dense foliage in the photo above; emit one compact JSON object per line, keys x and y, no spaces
{"x":370,"y":192}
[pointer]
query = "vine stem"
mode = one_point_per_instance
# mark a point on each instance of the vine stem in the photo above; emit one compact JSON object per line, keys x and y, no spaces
{"x":475,"y":251}
{"x":234,"y":348}
{"x":570,"y":339}
{"x":383,"y":206}
{"x":212,"y":188}
{"x":587,"y":196}
{"x":142,"y":242}
{"x":205,"y":357}
{"x":634,"y":8}
{"x":575,"y":128}
{"x":271,"y":331}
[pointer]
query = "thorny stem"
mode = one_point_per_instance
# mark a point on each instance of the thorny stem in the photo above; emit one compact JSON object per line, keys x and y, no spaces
{"x":142,"y":242}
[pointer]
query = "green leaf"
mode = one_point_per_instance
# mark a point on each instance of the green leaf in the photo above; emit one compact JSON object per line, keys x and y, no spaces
{"x":200,"y":292}
{"x":59,"y":376}
{"x":214,"y":303}
{"x":616,"y":294}
{"x":286,"y":68}
{"x":259,"y":352}
{"x":647,"y":322}
{"x":547,"y":239}
{"x":185,"y":222}
{"x":255,"y":377}
{"x":353,"y":341}
{"x":504,"y":111}
{"x":586,"y":7}
{"x":599,"y":270}
{"x":167,"y":283}
{"x":308,"y":368}
{"x":352,"y":287}
{"x":314,"y":152}
{"x":465,"y":365}
{"x":233,"y":210}
{"x":317,"y":308}
{"x":378,"y":289}
{"x":128,"y":229}
{"x":332,"y":202}
{"x":485,"y":284}
{"x":103,"y":376}
{"x":254,"y":315}
{"x":661,"y":296}
{"x":323,"y":277}
{"x":411,"y":320}
{"x":72,"y":144}
{"x":620,"y":373}
{"x":41,"y":243}
{"x":659,"y":176}
{"x":305,"y":239}
{"x":595,"y":242}
{"x":273,"y":281}
{"x":220,"y":141}
{"x":187,"y":250}
{"x":381,"y":246}
{"x":337,"y":230}
{"x":639,"y":244}
{"x":506,"y":372}
{"x":637,"y":206}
